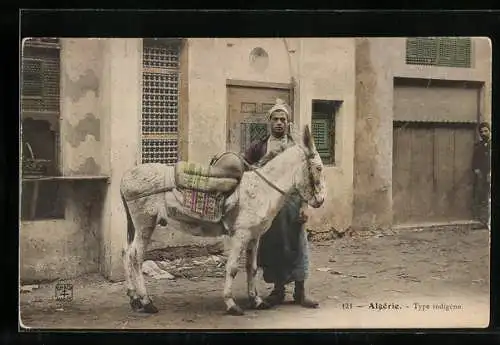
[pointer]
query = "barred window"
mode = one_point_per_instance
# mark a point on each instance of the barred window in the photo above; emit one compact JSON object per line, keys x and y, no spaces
{"x":160,"y":101}
{"x":443,"y":51}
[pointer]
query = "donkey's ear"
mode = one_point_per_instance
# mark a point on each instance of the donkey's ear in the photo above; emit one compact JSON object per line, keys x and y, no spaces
{"x":307,"y":138}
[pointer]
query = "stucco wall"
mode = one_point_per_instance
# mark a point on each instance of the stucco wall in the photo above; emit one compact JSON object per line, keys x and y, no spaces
{"x":63,"y":248}
{"x":81,"y":67}
{"x":378,"y":62}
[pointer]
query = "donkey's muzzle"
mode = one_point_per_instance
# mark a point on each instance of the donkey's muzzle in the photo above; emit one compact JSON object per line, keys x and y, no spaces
{"x":317,"y":202}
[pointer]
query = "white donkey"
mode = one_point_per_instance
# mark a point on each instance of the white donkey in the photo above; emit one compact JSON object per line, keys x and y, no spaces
{"x":149,"y":190}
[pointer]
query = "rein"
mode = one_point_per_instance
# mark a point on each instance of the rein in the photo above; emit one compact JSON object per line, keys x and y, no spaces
{"x":258,"y":173}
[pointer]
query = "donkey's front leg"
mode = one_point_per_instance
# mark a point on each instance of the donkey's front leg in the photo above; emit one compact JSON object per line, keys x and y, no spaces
{"x":238,"y":241}
{"x":256,"y":301}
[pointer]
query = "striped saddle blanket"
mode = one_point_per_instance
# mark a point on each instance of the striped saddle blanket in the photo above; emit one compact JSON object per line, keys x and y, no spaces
{"x":199,"y":177}
{"x":201,"y":192}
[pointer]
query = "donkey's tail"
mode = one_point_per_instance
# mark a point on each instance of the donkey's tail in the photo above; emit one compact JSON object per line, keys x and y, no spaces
{"x":130,"y":224}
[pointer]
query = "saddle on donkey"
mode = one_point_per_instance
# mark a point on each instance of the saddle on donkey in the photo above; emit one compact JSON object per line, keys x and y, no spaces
{"x":201,"y":190}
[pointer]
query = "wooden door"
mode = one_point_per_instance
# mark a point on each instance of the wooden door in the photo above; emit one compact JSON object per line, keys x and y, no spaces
{"x":247,"y":114}
{"x":432,"y":177}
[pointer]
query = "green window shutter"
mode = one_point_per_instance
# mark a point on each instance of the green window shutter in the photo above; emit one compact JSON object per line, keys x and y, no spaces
{"x":32,"y":83}
{"x":321,"y":132}
{"x":446,"y":51}
{"x":454,"y":52}
{"x":463,"y":52}
{"x":421,"y":51}
{"x":40,"y":78}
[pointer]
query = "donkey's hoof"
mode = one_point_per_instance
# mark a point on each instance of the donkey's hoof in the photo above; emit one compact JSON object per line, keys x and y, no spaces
{"x":263,"y":306}
{"x":259,"y":305}
{"x":136,"y":304}
{"x":150,"y":308}
{"x":235,"y":311}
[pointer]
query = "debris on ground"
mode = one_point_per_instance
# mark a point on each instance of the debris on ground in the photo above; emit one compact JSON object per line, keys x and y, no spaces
{"x":187,"y":251}
{"x":29,"y":288}
{"x":408,"y":277}
{"x":320,"y":237}
{"x":151,"y":269}
{"x":347,"y":275}
{"x":323,"y":269}
{"x":195,"y":267}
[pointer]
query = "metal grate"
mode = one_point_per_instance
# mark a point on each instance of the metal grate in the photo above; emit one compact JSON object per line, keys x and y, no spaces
{"x":159,"y":151}
{"x":160,"y":99}
{"x":251,"y":131}
{"x":448,"y":52}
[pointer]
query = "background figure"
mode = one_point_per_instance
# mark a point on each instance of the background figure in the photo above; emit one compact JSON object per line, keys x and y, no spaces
{"x":283,"y":249}
{"x":482,"y":174}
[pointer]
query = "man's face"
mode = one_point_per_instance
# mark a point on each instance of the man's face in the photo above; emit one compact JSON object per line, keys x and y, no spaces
{"x":484,"y":133}
{"x":278,"y":123}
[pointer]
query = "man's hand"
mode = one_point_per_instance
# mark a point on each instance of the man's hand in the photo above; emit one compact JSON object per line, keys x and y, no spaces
{"x":303,"y":216}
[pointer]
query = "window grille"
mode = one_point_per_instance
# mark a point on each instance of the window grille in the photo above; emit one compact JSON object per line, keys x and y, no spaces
{"x":160,"y":102}
{"x":447,"y":52}
{"x":251,"y":131}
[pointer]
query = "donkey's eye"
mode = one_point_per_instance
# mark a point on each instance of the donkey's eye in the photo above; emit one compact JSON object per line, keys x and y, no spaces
{"x":318,"y":168}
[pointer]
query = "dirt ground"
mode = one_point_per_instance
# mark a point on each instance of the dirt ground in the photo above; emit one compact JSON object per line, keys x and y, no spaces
{"x":445,"y":272}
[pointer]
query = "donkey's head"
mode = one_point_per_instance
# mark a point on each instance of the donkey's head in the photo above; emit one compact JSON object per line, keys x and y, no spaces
{"x":310,"y":178}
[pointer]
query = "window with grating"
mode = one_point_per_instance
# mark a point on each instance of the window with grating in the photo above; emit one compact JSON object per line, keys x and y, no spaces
{"x":160,"y":101}
{"x":251,"y":131}
{"x":447,"y":51}
{"x":323,"y":128}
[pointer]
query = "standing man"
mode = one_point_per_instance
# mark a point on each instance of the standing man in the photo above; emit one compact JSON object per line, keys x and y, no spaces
{"x":283,"y":249}
{"x":482,"y":173}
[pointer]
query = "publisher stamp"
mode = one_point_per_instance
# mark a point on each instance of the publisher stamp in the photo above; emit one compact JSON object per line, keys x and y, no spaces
{"x":64,"y":292}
